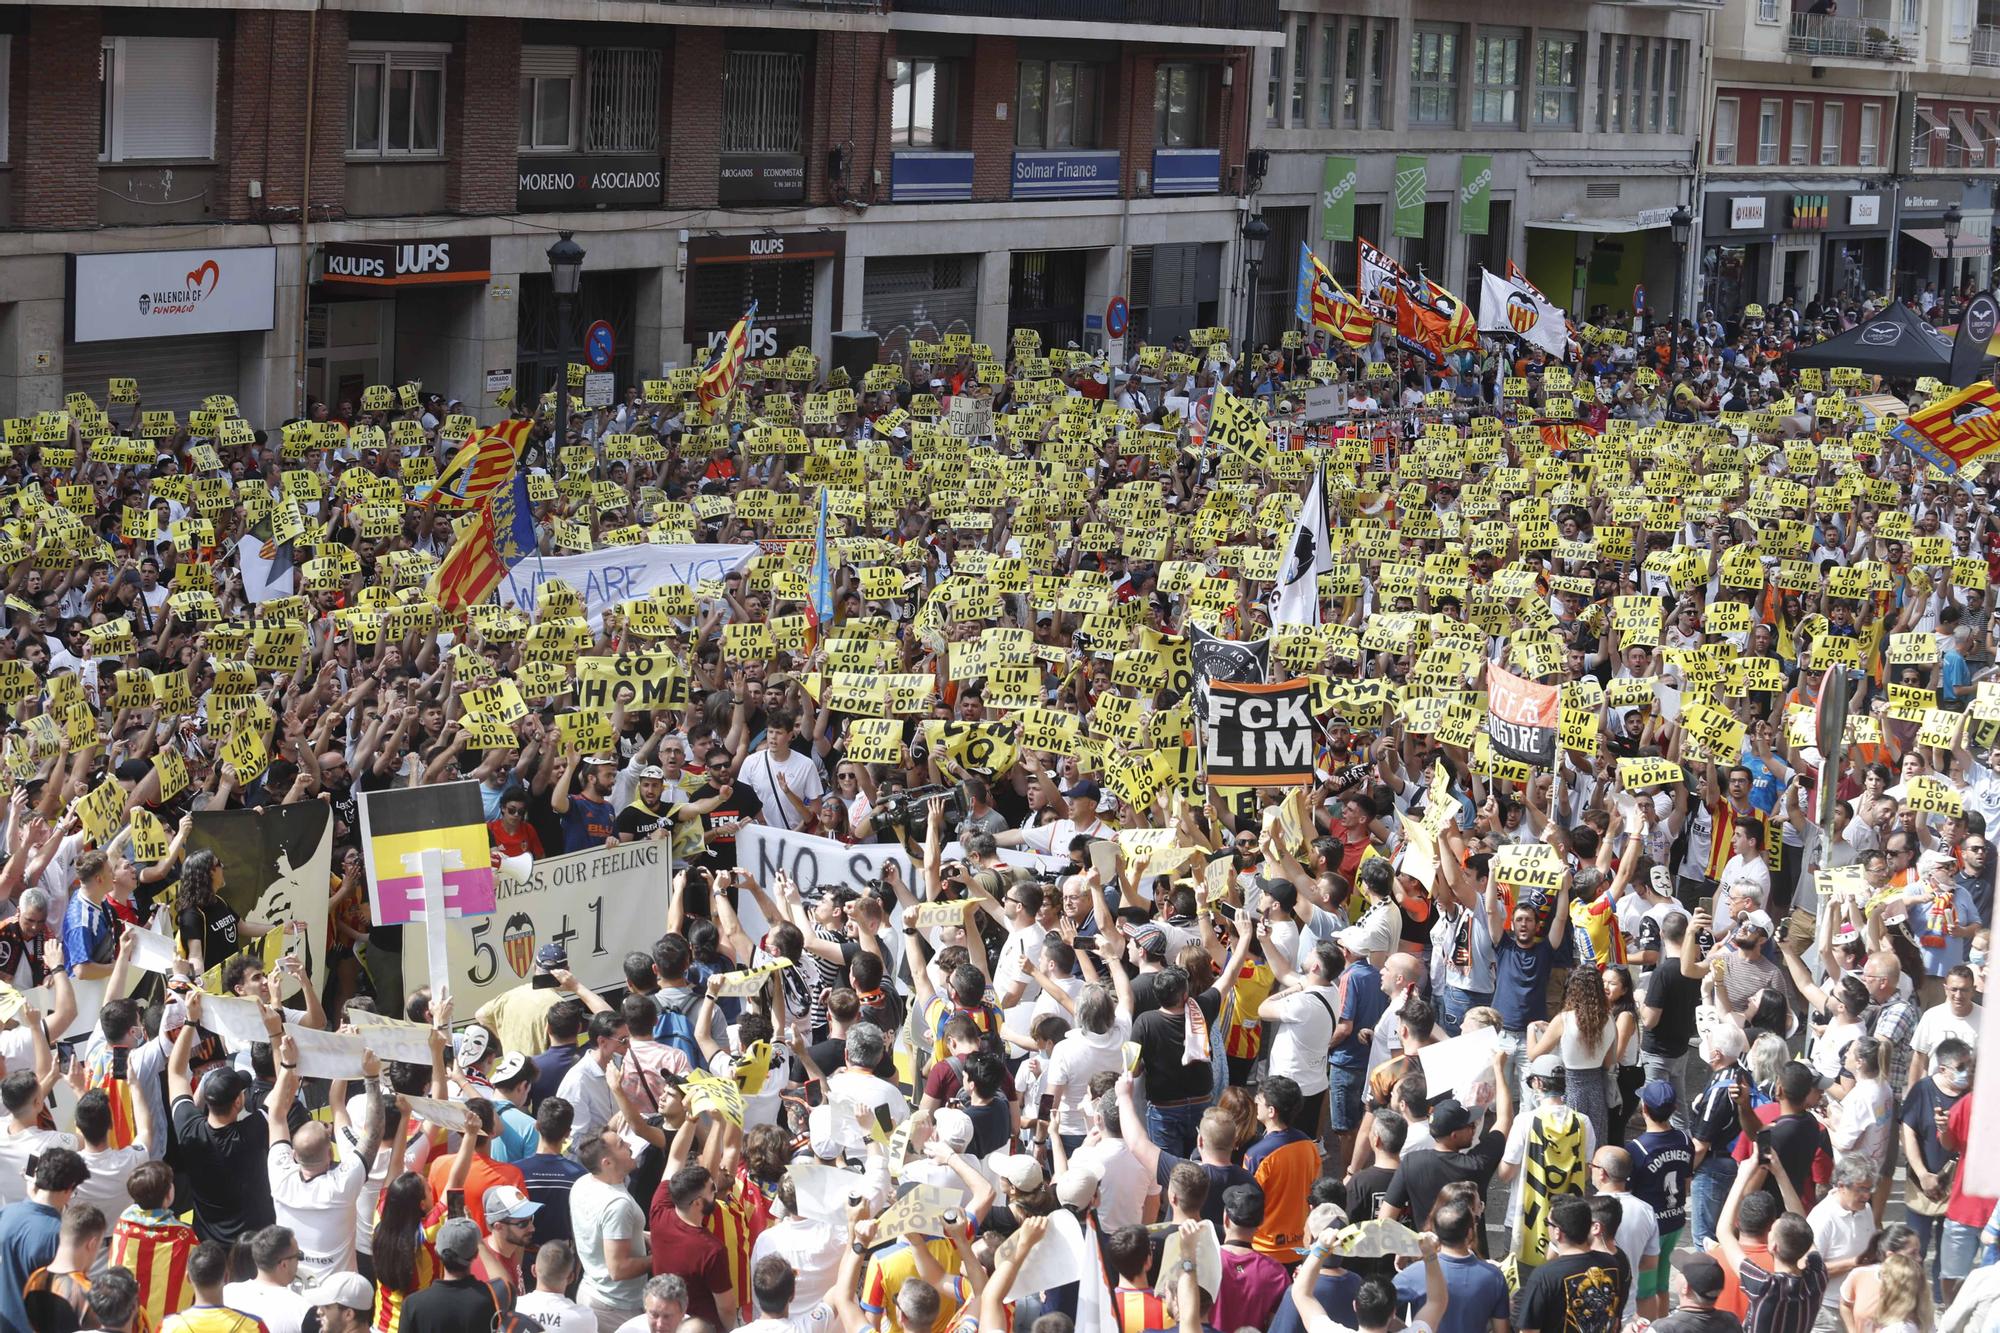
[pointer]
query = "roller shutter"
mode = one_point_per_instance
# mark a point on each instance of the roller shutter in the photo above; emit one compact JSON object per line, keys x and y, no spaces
{"x":173,"y":373}
{"x":922,"y":296}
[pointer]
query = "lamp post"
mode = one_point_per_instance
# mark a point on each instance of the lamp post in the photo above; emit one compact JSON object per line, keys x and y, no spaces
{"x":1255,"y":232}
{"x":565,"y":275}
{"x":1681,"y":220}
{"x":1953,"y":220}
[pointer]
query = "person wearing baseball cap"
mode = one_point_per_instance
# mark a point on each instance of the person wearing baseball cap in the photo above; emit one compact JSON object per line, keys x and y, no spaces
{"x":519,"y":1014}
{"x":588,"y":819}
{"x":458,"y":1300}
{"x":1054,"y":839}
{"x":649,"y":815}
{"x":510,"y":1229}
{"x":1702,"y":1284}
{"x":1662,"y":1170}
{"x":344,"y":1302}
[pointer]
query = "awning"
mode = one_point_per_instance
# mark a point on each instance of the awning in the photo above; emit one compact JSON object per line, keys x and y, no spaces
{"x":1969,"y":245}
{"x":1969,"y":137}
{"x":1599,"y":226}
{"x":1987,"y":128}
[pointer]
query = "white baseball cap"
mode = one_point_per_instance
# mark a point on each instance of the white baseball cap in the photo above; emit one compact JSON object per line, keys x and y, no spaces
{"x":348,"y":1289}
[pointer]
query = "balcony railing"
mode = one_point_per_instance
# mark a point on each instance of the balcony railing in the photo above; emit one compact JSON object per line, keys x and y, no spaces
{"x":1986,"y":45}
{"x":1259,"y":15}
{"x":1842,"y":35}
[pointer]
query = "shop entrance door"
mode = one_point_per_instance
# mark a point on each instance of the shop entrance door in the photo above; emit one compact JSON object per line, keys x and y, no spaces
{"x":1045,"y":293}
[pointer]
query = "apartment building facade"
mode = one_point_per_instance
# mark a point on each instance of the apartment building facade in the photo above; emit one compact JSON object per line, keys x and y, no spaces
{"x":300,"y":200}
{"x":1560,"y":134}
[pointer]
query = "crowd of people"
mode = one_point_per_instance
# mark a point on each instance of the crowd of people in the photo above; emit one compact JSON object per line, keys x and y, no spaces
{"x":1680,"y":1029}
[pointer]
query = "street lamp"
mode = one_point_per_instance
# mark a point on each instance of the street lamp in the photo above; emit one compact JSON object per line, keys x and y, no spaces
{"x":1953,"y":219}
{"x":565,"y":275}
{"x":1255,"y":232}
{"x":1681,"y":220}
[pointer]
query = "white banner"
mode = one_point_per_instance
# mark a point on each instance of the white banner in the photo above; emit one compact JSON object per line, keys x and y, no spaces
{"x":605,"y":578}
{"x":161,"y":293}
{"x":599,"y":904}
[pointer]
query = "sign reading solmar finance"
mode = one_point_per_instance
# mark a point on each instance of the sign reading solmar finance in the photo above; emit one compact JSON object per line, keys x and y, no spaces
{"x":1066,"y":173}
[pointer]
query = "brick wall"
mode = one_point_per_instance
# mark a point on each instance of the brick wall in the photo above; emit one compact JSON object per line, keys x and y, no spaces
{"x":482,"y":120}
{"x":992,"y":83}
{"x":56,"y":162}
{"x":694,"y":153}
{"x":261,"y":114}
{"x":1233,"y":130}
{"x":850,"y":100}
{"x":1128,"y":115}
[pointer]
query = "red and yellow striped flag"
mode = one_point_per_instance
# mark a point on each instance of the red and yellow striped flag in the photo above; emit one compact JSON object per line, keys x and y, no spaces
{"x":725,"y":368}
{"x":155,"y":1246}
{"x":484,"y":463}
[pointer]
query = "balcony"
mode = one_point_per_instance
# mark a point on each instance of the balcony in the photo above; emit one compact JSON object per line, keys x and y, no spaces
{"x":1986,"y":45}
{"x":1260,"y":15}
{"x":1842,"y":36}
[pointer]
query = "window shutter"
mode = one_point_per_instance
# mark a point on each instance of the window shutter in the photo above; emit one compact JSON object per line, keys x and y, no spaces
{"x":166,"y":98}
{"x":548,"y":62}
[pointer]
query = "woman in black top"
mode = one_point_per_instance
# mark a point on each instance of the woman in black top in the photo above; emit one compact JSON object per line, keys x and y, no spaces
{"x":210,"y":931}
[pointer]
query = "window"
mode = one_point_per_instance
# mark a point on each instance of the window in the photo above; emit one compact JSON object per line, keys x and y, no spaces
{"x":1558,"y":57}
{"x":1830,"y":117}
{"x":1364,"y":73}
{"x":1274,"y":87}
{"x":1180,"y":105}
{"x":623,"y":114}
{"x":1434,"y":76}
{"x":1656,"y":86}
{"x":1329,"y":55}
{"x":157,"y":96}
{"x":548,"y":98}
{"x":1767,"y":11}
{"x":761,"y":102}
{"x":1301,"y":70}
{"x":1870,"y":139}
{"x":1801,"y":144}
{"x":1604,"y":99}
{"x":922,"y":104}
{"x":1058,"y":101}
{"x":1961,"y":20}
{"x":1676,"y":76}
{"x":1767,"y":133}
{"x":1724,"y":152}
{"x":1635,"y":85}
{"x":395,"y":101}
{"x":1496,"y":77}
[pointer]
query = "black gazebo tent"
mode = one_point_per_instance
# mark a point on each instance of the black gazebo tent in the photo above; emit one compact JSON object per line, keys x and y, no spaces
{"x":1896,"y":344}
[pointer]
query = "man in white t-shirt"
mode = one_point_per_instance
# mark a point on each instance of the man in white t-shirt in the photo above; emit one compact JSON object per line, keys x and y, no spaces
{"x":269,"y":1294}
{"x":313,"y":1194}
{"x":1054,"y":839}
{"x":555,"y":1269}
{"x":1958,"y":1016}
{"x":610,"y":1230}
{"x":23,"y":1095}
{"x":1129,"y":1193}
{"x":787,"y":781}
{"x":810,"y":1249}
{"x":773,"y":1287}
{"x":1304,"y":1010}
{"x":857,"y":1084}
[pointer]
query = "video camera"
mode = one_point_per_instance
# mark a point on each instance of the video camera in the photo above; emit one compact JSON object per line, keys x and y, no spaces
{"x":909,"y":810}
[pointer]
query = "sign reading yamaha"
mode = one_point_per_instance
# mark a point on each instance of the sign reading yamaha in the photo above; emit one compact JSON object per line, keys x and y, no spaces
{"x":544,"y":184}
{"x":454,"y":260}
{"x":170,"y":293}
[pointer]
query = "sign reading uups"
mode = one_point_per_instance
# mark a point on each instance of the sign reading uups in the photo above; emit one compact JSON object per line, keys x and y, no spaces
{"x":1338,"y":181}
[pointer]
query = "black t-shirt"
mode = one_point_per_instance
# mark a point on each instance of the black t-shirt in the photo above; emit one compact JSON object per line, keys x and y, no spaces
{"x":227,"y":1170}
{"x":1798,"y":1140}
{"x":1365,"y":1189}
{"x":1414,"y":1188}
{"x":1575,"y":1293}
{"x":1919,"y":1108}
{"x":450,"y":1305}
{"x":1162,"y":1037}
{"x":992,"y":1126}
{"x":640,"y":822}
{"x":215,"y":929}
{"x":1676,"y":997}
{"x":259,"y":1095}
{"x":1685,"y":1320}
{"x":743,"y":804}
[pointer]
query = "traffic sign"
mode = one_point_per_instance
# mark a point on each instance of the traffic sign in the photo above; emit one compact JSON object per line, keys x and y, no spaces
{"x":1117,"y":317}
{"x":600,"y":344}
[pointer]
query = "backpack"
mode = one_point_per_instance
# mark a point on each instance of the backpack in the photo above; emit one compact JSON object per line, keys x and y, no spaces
{"x":986,"y":1018}
{"x":676,"y":1029}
